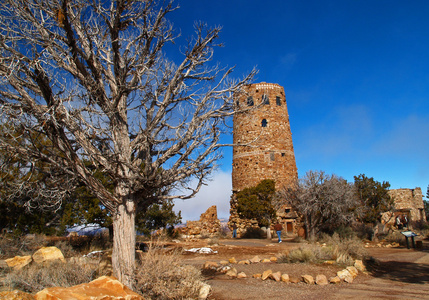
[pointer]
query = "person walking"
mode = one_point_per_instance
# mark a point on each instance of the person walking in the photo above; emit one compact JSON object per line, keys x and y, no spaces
{"x":234,"y":231}
{"x":278,"y":228}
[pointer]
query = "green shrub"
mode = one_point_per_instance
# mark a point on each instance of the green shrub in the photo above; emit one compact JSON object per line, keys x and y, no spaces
{"x":161,"y":276}
{"x":254,"y":233}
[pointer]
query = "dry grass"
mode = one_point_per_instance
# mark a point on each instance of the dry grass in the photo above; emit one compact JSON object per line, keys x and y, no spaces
{"x":343,"y":250}
{"x":161,"y":276}
{"x":11,"y":246}
{"x":37,"y":277}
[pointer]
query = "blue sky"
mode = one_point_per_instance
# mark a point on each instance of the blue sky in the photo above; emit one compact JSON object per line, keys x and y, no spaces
{"x":356,"y":77}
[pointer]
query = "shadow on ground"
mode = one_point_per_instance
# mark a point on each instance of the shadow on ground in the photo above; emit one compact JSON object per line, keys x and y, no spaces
{"x":399,"y":271}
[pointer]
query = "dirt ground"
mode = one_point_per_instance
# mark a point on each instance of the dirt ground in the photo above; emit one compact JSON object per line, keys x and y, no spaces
{"x":395,"y":273}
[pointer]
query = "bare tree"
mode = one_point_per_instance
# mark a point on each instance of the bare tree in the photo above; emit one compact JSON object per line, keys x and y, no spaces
{"x":92,"y":78}
{"x":321,"y":200}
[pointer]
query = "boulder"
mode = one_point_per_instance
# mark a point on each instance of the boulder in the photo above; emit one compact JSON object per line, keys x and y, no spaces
{"x":285,"y":278}
{"x":45,"y":254}
{"x":321,"y":280}
{"x":343,"y":273}
{"x":359,"y":265}
{"x":266,"y":274}
{"x":277,"y":276}
{"x":258,"y":275}
{"x":244,"y":262}
{"x":241,"y":275}
{"x":204,"y":291}
{"x":273,"y":259}
{"x":348,"y":279}
{"x":265,"y":260}
{"x":224,"y":269}
{"x":232,"y":273}
{"x":255,"y":260}
{"x":16,"y":295}
{"x":211,"y":265}
{"x":224,"y":262}
{"x":308,"y":279}
{"x":293,"y":279}
{"x":232,"y":260}
{"x":335,"y":280}
{"x":18,"y":262}
{"x":105,"y":287}
{"x":353,"y":271}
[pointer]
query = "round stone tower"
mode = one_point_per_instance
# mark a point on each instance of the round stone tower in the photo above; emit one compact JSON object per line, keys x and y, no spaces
{"x":262,"y":138}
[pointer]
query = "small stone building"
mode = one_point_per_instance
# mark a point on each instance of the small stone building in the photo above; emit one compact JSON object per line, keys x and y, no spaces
{"x":407,"y":202}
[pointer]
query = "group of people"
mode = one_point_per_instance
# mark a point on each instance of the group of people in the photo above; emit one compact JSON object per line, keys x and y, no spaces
{"x":401,"y":221}
{"x":278,"y":228}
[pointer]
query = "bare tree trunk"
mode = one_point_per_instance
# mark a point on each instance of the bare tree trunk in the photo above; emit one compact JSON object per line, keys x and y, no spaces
{"x":124,"y":240}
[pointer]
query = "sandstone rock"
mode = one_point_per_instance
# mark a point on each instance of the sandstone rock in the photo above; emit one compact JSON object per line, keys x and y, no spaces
{"x":255,"y":260}
{"x":16,"y":295}
{"x":212,"y":265}
{"x":265,"y":260}
{"x":257,"y":275}
{"x":45,"y":254}
{"x":18,"y":262}
{"x":266,"y":274}
{"x":232,"y":273}
{"x":273,"y":259}
{"x":224,"y":262}
{"x":293,"y":279}
{"x":106,"y":288}
{"x":321,"y":280}
{"x":359,"y":265}
{"x":204,"y":291}
{"x":244,"y":262}
{"x":353,"y":271}
{"x":348,"y":279}
{"x":241,"y":275}
{"x":285,"y":278}
{"x":329,"y":262}
{"x":224,"y":269}
{"x":277,"y":276}
{"x":343,"y":273}
{"x":335,"y":280}
{"x":232,"y":260}
{"x":308,"y":279}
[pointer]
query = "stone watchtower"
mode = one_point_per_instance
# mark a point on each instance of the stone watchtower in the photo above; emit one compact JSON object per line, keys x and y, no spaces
{"x":263,"y":147}
{"x":263,"y":137}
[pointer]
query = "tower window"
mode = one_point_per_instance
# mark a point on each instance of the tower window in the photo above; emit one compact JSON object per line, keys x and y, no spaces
{"x":237,"y":103}
{"x":278,"y":101}
{"x":265,"y":99}
{"x":264,"y":123}
{"x":250,"y":101}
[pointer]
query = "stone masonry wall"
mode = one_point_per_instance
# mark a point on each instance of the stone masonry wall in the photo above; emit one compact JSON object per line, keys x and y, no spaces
{"x":263,"y":143}
{"x":265,"y":132}
{"x":208,"y":225}
{"x":409,"y":200}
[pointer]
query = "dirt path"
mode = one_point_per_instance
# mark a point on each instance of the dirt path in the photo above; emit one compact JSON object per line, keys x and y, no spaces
{"x":395,"y":273}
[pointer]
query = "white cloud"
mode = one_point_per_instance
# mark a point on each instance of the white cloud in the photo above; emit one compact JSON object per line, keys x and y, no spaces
{"x":217,"y":192}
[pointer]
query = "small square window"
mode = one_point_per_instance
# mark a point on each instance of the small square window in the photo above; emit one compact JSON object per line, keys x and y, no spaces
{"x":278,"y":101}
{"x":250,"y":101}
{"x":264,"y":123}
